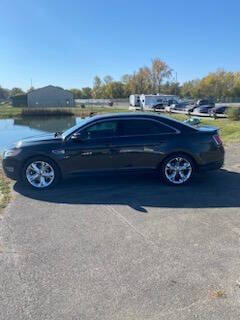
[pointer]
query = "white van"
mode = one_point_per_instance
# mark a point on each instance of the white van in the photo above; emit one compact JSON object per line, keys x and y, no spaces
{"x":134,"y":102}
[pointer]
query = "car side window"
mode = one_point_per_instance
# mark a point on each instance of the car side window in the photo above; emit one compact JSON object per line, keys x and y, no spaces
{"x":103,"y":129}
{"x":143,"y":127}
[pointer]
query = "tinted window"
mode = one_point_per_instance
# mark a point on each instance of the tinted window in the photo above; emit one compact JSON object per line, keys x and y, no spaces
{"x":142,"y":127}
{"x":202,"y":102}
{"x":81,"y":123}
{"x":101,"y":130}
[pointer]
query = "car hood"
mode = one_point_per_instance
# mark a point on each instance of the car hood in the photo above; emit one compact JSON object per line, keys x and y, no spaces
{"x":39,"y":139}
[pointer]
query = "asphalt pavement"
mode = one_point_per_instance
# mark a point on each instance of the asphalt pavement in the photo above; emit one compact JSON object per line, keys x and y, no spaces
{"x":124,"y":247}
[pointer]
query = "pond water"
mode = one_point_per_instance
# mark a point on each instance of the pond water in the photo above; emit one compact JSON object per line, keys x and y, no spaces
{"x":12,"y":130}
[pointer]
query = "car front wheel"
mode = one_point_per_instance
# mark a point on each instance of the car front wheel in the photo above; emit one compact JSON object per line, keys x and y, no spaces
{"x":40,"y":173}
{"x":177,"y":169}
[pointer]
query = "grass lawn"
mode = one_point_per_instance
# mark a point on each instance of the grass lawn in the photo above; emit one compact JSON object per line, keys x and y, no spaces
{"x":4,"y":190}
{"x":9,"y":112}
{"x":229,"y":130}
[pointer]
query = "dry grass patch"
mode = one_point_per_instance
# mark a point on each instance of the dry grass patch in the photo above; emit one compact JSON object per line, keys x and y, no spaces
{"x":218,"y":293}
{"x":4,"y":190}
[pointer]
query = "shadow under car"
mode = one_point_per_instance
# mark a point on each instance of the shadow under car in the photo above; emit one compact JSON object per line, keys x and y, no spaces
{"x":213,"y":189}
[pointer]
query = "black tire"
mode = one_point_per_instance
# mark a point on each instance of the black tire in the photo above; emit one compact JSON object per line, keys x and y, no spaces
{"x":164,"y":170}
{"x":51,"y":163}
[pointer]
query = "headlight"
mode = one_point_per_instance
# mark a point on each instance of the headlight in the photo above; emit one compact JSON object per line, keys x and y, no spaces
{"x":11,"y":153}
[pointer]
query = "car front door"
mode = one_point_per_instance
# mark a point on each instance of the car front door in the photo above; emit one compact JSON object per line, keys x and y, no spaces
{"x":92,"y":151}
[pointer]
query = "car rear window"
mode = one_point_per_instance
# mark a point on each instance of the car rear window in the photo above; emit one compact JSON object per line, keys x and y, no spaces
{"x":142,"y":127}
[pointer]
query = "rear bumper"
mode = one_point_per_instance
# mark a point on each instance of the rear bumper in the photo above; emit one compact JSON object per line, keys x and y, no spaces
{"x":211,"y":166}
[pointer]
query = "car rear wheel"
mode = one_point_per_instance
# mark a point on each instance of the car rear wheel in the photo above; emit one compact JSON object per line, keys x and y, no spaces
{"x":40,"y":173}
{"x":177,"y":169}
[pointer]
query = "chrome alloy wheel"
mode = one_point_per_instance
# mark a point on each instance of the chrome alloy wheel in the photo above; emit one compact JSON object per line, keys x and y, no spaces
{"x":40,"y":174}
{"x":178,"y":170}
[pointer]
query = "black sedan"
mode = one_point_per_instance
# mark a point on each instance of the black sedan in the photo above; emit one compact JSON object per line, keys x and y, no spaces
{"x":203,"y":109}
{"x":218,"y":110}
{"x":116,"y":142}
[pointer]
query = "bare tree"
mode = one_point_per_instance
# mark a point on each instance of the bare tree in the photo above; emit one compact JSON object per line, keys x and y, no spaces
{"x":143,"y":78}
{"x":160,"y":71}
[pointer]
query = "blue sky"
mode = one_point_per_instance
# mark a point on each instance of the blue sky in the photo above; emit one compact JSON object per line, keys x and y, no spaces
{"x":67,"y":43}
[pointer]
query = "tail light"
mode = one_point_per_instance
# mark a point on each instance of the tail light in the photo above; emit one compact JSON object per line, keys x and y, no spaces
{"x":217,"y":139}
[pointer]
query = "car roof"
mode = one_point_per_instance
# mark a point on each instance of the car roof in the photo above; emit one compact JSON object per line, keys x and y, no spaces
{"x":118,"y":114}
{"x":127,"y":115}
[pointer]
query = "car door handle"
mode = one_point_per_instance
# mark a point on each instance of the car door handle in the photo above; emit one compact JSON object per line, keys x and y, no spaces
{"x":86,"y":153}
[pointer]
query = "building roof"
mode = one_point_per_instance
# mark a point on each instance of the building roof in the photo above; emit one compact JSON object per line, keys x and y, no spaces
{"x":56,"y":87}
{"x":18,"y":96}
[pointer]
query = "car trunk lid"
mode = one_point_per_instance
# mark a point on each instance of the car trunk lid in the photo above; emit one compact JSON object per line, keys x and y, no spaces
{"x":212,"y":131}
{"x":207,"y":129}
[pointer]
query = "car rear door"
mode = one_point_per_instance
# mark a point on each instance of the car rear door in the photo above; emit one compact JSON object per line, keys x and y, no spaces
{"x":140,"y":143}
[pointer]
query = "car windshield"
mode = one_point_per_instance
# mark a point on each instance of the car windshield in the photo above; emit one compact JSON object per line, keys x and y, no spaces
{"x":80,"y":123}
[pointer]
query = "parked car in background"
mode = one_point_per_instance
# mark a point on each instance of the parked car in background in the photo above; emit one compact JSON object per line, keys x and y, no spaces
{"x":179,"y":106}
{"x":204,"y":102}
{"x":116,"y":142}
{"x":159,"y":107}
{"x":172,"y":102}
{"x":218,"y":110}
{"x":189,"y":108}
{"x":200,"y":106}
{"x":203,"y":109}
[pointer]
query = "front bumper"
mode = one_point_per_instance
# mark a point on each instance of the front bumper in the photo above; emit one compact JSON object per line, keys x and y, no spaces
{"x":11,"y":168}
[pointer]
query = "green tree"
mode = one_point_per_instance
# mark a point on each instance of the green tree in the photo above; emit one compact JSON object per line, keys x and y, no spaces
{"x":4,"y":93}
{"x":114,"y":90}
{"x":191,"y":89}
{"x":125,"y":79}
{"x":108,"y":79}
{"x":16,"y":91}
{"x":86,"y":93}
{"x":98,"y":88}
{"x":171,"y":88}
{"x":77,"y":93}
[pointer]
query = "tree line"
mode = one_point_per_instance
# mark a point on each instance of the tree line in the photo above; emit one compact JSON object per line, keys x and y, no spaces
{"x":220,"y":85}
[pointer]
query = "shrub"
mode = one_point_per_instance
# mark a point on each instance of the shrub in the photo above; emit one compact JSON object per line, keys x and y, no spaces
{"x":46,"y":112}
{"x":234,"y":113}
